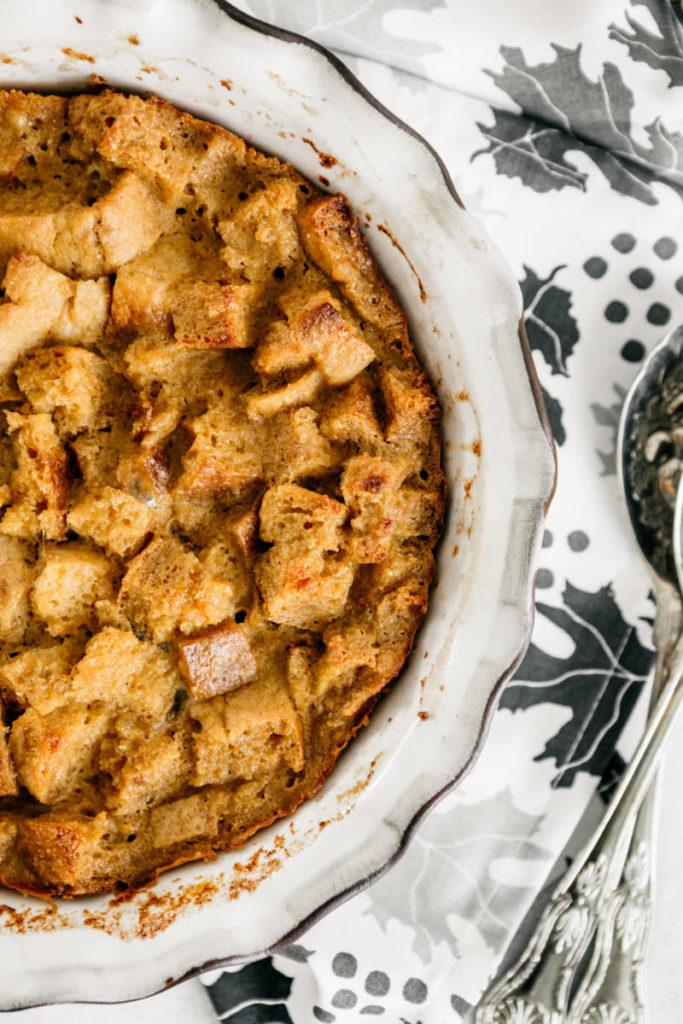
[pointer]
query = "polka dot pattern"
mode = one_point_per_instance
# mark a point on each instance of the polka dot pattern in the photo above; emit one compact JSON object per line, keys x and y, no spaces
{"x":595,"y":267}
{"x":658,"y":314}
{"x":633,"y":351}
{"x":344,"y":965}
{"x":616,"y":312}
{"x":641,"y":277}
{"x":623,"y":242}
{"x":544,"y":579}
{"x":578,"y":540}
{"x":377,"y":983}
{"x":344,"y":999}
{"x":415,"y":991}
{"x":665,"y":248}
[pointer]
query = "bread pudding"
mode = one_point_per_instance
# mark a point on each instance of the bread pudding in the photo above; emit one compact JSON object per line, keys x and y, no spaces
{"x":220,"y":489}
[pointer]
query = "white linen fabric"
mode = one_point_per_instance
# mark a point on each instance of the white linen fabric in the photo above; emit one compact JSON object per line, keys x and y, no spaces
{"x":562,"y":126}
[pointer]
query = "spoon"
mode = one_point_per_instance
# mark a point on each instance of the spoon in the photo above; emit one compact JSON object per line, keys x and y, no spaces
{"x":584,"y":961}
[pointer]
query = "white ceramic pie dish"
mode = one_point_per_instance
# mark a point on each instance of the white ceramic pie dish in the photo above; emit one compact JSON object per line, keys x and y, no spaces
{"x":288,"y":97}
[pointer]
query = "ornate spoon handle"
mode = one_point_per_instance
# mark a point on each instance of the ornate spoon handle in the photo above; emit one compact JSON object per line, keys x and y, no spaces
{"x":596,"y":896}
{"x":612,"y":987}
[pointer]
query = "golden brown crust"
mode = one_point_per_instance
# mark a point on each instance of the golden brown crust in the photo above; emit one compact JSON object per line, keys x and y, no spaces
{"x":220,"y":488}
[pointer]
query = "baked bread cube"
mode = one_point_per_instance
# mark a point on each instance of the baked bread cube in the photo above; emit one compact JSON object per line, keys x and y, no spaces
{"x":52,"y":752}
{"x":261,"y":233}
{"x":39,"y":486}
{"x":124,"y":672}
{"x":39,"y":676}
{"x":297,"y":447}
{"x":74,"y":385}
{"x":331,"y":236}
{"x":301,"y":391}
{"x":216,"y":661}
{"x":191,"y":817}
{"x":230,"y":556}
{"x":8,"y":837}
{"x":98,"y":454}
{"x":243,"y":526}
{"x":224,"y":455}
{"x":369,"y":486}
{"x":207,"y":314}
{"x":70,"y":579}
{"x":291,"y":516}
{"x":177,"y":288}
{"x":246,"y":733}
{"x":8,"y":778}
{"x":396,"y":619}
{"x":410,"y":405}
{"x":113,"y":519}
{"x":412,"y":560}
{"x":130,"y":218}
{"x":301,"y":682}
{"x":166,"y":589}
{"x":347,"y":648}
{"x":301,"y":580}
{"x":15,"y":583}
{"x":142,"y":295}
{"x":148,"y":136}
{"x":349,"y":416}
{"x":314,"y":330}
{"x":30,"y":125}
{"x":417,"y":512}
{"x":61,"y":847}
{"x":33,"y":304}
{"x":182,"y":374}
{"x":43,"y":305}
{"x":145,"y":769}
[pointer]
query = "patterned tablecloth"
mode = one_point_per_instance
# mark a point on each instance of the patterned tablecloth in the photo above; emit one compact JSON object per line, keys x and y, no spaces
{"x":562,"y":125}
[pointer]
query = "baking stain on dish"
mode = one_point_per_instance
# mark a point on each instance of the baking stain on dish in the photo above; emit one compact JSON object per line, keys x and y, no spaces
{"x":358,"y":787}
{"x":68,"y":51}
{"x":289,"y":91}
{"x":397,"y":245}
{"x":42,"y":919}
{"x":326,"y":159}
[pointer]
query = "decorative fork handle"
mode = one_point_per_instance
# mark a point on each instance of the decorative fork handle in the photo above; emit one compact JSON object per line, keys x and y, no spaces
{"x":605,"y":893}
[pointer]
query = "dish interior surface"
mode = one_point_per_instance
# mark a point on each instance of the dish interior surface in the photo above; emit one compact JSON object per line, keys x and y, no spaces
{"x":464,"y":308}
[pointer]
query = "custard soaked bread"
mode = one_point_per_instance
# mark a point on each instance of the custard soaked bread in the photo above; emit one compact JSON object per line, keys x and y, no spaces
{"x":220,"y":488}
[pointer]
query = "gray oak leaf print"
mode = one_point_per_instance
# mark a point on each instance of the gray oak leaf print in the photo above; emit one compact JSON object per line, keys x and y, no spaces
{"x":552,"y":331}
{"x":550,"y":326}
{"x":450,"y":869}
{"x":599,"y":681}
{"x":555,"y":416}
{"x":564,"y":111}
{"x":255,"y":993}
{"x":661,"y":49}
{"x":351,"y":27}
{"x":608,"y":416}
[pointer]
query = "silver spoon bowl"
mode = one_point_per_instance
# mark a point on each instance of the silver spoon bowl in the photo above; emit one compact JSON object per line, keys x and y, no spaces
{"x":650,"y":453}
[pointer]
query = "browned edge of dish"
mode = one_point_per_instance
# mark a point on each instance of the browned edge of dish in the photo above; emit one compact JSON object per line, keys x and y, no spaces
{"x":265,"y":28}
